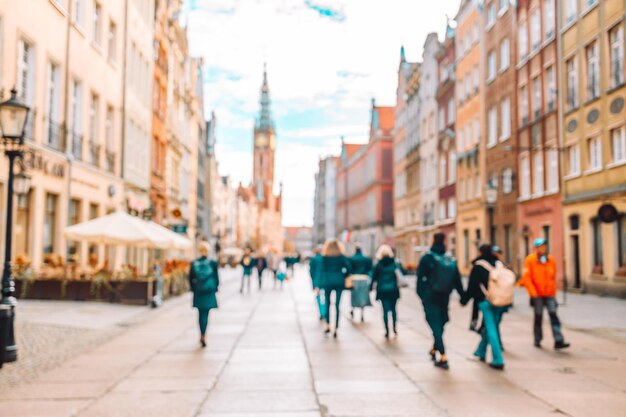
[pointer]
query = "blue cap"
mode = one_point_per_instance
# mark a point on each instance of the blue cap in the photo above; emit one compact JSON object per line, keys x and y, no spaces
{"x":539,"y":242}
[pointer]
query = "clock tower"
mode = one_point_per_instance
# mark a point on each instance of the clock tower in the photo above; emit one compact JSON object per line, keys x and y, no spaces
{"x":264,"y":146}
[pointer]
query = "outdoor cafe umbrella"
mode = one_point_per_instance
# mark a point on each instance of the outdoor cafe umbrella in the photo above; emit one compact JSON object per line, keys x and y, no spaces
{"x":120,"y":228}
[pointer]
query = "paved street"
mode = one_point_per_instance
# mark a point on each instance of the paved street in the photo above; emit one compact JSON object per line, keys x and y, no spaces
{"x":267,"y":357}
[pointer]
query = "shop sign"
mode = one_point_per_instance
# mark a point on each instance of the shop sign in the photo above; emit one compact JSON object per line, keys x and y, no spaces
{"x":34,"y":161}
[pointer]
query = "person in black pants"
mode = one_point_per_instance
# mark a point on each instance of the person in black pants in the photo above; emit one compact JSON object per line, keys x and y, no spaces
{"x":334,"y":269}
{"x":385,"y":279}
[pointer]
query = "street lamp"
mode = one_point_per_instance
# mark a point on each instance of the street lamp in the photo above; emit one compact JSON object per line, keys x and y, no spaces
{"x":13,"y":116}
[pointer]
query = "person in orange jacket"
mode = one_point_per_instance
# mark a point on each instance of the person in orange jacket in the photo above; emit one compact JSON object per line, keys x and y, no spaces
{"x":539,"y":278}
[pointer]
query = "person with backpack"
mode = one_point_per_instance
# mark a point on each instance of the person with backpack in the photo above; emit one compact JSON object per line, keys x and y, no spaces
{"x":490,"y":285}
{"x":361,"y":275}
{"x":437,"y":276}
{"x":385,"y":279}
{"x":539,"y":278}
{"x":247,"y":262}
{"x":334,"y":269}
{"x":314,"y":266}
{"x":204,"y":281}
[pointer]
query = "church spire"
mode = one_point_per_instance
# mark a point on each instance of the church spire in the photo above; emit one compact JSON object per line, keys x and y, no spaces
{"x":264,"y":121}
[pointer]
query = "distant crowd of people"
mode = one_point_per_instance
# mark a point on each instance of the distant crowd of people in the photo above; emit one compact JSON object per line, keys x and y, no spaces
{"x":490,"y":288}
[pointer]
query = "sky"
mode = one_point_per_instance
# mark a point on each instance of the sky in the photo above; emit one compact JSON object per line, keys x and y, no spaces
{"x":326,"y":60}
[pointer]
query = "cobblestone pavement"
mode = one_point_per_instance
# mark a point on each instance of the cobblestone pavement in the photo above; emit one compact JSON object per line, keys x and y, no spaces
{"x":267,"y":357}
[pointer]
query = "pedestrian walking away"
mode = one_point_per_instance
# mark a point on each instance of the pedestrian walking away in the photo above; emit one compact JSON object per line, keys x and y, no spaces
{"x":204,"y":282}
{"x":273,"y":262}
{"x":437,"y":276}
{"x":261,"y":265}
{"x":247,"y":263}
{"x":386,"y":280}
{"x":360,"y":281}
{"x":314,"y":271}
{"x":487,"y":277}
{"x":539,"y":278}
{"x":335,"y":268}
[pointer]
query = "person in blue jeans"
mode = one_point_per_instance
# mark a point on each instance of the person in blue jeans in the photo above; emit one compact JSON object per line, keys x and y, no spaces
{"x":492,"y":315}
{"x":314,"y":266}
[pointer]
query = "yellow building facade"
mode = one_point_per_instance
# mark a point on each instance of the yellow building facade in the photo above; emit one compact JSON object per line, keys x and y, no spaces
{"x":592,"y":82}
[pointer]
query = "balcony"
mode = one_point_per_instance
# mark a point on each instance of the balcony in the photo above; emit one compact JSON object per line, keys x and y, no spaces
{"x":54,"y":135}
{"x":110,"y":161}
{"x":77,"y":146}
{"x":94,"y":154}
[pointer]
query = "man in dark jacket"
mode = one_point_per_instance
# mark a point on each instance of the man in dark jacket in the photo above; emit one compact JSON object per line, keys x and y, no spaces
{"x":437,"y":276}
{"x":261,"y":265}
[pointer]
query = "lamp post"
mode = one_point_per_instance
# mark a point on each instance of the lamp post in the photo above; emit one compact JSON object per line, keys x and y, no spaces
{"x":13,"y":116}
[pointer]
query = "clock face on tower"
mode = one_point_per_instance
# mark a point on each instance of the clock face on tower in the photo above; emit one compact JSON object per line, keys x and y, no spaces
{"x":261,"y":141}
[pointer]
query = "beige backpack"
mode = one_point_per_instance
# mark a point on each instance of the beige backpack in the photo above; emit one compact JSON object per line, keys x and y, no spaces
{"x":501,"y":283}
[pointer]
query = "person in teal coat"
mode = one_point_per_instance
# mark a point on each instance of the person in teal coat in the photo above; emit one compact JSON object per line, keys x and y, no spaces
{"x":247,"y":263}
{"x":437,"y":276}
{"x":334,"y":269}
{"x":385,"y":279}
{"x":314,"y":266}
{"x":204,"y":281}
{"x":361,"y":277}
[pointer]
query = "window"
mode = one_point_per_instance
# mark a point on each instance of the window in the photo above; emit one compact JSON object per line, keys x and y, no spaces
{"x":74,"y":218}
{"x":479,"y":186}
{"x":96,"y":22}
{"x":573,"y":160}
{"x":596,"y":231}
{"x":525,"y":177}
{"x":589,"y":3}
{"x":507,"y":181}
{"x":77,"y":114}
{"x":616,"y":38}
{"x":451,"y":112}
{"x":470,"y":188}
{"x":78,"y":12}
{"x":442,"y":210}
{"x":468,"y":86}
{"x":505,"y":55}
{"x":460,"y":139}
{"x":452,"y":167}
{"x":493,"y":127}
{"x":523,"y":107}
{"x":571,"y":9}
{"x":53,"y":97}
{"x":572,"y":83}
{"x":504,"y":6}
{"x":443,"y":170}
{"x":476,"y":78}
{"x":594,"y":151}
{"x":493,"y":181}
{"x":621,"y":241}
{"x":93,"y":119}
{"x":491,"y":71}
{"x":618,"y":145}
{"x":461,"y":187}
{"x":109,"y":129}
{"x":476,"y":130}
{"x":60,"y":3}
{"x":536,"y":97}
{"x":451,"y":208}
{"x":491,"y":15}
{"x":112,"y":40}
{"x":442,"y":119}
{"x":551,"y":88}
{"x":26,"y":72}
{"x":553,"y":171}
{"x":535,"y":30}
{"x":523,"y":41}
{"x":49,"y":224}
{"x":505,"y":115}
{"x":593,"y":71}
{"x":538,"y":174}
{"x":548,"y":18}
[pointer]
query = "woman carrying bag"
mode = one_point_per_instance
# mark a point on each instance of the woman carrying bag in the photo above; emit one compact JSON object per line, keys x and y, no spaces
{"x":385,"y":278}
{"x":334,"y":269}
{"x":204,"y":282}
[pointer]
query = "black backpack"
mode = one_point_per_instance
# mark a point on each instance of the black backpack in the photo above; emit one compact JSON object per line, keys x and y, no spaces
{"x":444,"y":273}
{"x":205,"y":274}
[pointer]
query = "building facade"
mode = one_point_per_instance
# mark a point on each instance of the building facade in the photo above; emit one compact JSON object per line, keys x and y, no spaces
{"x":429,"y":189}
{"x":470,"y":143}
{"x":365,"y":185}
{"x":446,"y":141}
{"x":539,"y":209}
{"x":298,"y":239}
{"x":137,"y":104}
{"x":73,"y":82}
{"x":591,"y":77}
{"x":325,"y":203}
